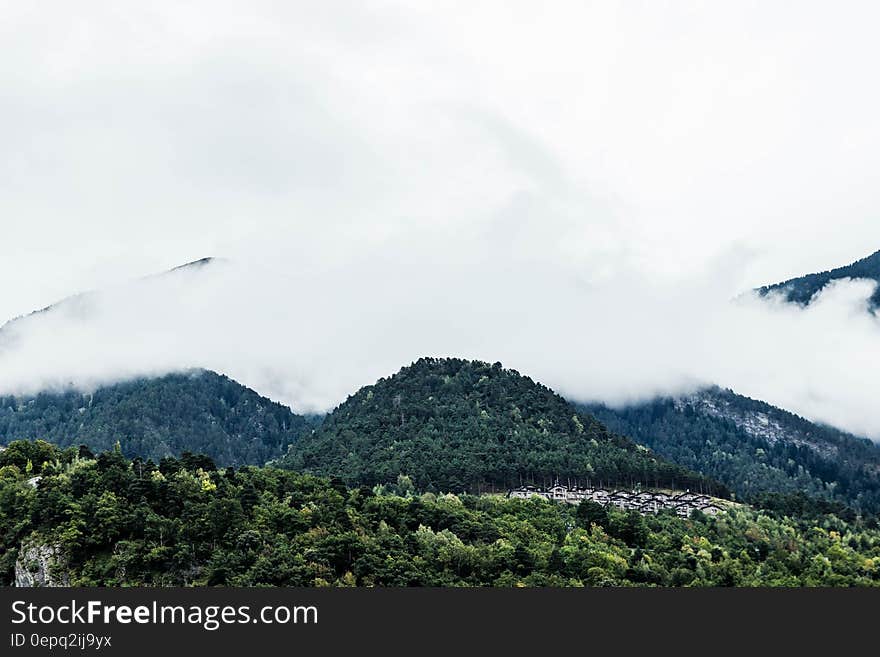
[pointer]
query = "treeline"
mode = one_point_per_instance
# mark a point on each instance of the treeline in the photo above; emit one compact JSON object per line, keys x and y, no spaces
{"x":801,"y":290}
{"x":458,"y":425}
{"x":116,"y":521}
{"x":199,"y":412}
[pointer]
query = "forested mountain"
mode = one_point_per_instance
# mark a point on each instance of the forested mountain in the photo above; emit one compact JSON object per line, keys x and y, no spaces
{"x":753,"y":447}
{"x":454,"y":425}
{"x":802,"y":289}
{"x":199,"y":411}
{"x":109,"y":521}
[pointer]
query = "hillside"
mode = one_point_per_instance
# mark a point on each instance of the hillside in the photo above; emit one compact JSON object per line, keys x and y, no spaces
{"x":453,"y":425}
{"x":108,"y":521}
{"x":753,"y":447}
{"x":200,"y":412}
{"x":802,"y":289}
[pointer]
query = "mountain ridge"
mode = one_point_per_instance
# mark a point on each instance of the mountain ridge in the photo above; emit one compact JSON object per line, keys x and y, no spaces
{"x":802,"y":289}
{"x":808,"y":446}
{"x":752,"y":446}
{"x":194,"y":264}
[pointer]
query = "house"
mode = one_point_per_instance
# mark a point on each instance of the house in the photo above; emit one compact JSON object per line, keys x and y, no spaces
{"x":558,"y":492}
{"x":526,"y":492}
{"x":642,"y":501}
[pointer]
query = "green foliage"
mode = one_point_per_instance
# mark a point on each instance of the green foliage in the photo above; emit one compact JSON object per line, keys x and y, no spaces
{"x":130,"y":522}
{"x":452,"y":424}
{"x":199,"y":412}
{"x":817,"y":460}
{"x":29,"y":457}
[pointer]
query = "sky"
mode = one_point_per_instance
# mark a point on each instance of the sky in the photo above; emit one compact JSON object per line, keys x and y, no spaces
{"x":581,"y":190}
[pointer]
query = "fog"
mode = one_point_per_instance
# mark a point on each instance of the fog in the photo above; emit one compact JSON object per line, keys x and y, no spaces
{"x":585,"y":192}
{"x":311,"y":334}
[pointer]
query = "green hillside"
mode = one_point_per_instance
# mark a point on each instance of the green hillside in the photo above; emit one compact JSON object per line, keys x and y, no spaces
{"x":114,"y":522}
{"x":753,"y":447}
{"x":454,"y":425}
{"x":198,"y":411}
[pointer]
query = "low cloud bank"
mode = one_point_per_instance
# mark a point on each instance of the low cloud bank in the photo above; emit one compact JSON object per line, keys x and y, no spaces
{"x":309,"y":331}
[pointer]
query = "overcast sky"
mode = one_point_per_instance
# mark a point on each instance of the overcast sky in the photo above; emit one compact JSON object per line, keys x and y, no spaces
{"x":603,"y":176}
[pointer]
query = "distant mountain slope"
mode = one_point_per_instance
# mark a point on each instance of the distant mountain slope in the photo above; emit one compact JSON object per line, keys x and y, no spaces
{"x":753,"y":447}
{"x":200,"y":412}
{"x":802,"y":289}
{"x":83,"y":297}
{"x":453,"y":424}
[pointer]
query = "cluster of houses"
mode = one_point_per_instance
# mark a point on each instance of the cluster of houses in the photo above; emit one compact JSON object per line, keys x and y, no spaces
{"x":683,"y":503}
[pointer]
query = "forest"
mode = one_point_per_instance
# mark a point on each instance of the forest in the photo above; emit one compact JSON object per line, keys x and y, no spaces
{"x":818,"y":460}
{"x":801,"y":290}
{"x":453,"y":425}
{"x":458,"y":425}
{"x":197,"y":411}
{"x":116,"y":521}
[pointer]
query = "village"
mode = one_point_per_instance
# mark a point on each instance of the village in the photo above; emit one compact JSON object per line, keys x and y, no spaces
{"x":682,"y":503}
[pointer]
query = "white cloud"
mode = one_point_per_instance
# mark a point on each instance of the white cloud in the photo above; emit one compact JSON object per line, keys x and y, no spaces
{"x":310,"y":335}
{"x":576,"y":190}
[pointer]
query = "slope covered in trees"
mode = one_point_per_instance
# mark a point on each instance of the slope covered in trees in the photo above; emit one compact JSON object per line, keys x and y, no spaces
{"x":802,"y":289}
{"x":753,"y":447}
{"x":454,"y":425}
{"x":111,"y":521}
{"x":198,"y":411}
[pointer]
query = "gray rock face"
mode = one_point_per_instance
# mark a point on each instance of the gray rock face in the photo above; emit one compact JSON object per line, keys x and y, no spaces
{"x":39,"y":564}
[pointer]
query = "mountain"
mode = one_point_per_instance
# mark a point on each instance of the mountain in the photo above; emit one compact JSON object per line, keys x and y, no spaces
{"x":83,"y":297}
{"x":451,"y":424}
{"x":753,"y":447}
{"x":198,"y":411}
{"x":802,"y":290}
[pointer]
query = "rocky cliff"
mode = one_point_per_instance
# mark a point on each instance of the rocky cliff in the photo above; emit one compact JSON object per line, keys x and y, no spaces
{"x":40,"y":564}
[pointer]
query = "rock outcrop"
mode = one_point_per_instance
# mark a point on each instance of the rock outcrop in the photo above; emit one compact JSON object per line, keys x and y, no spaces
{"x":40,"y":564}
